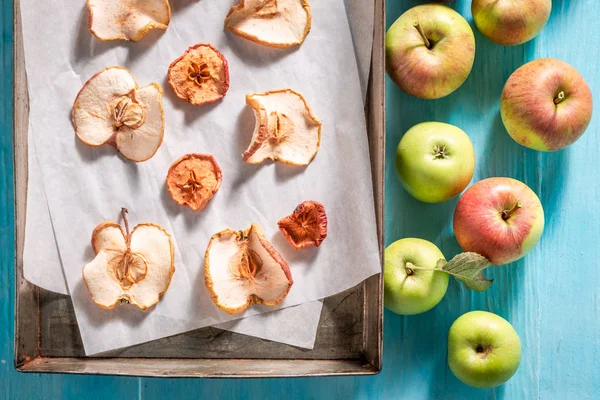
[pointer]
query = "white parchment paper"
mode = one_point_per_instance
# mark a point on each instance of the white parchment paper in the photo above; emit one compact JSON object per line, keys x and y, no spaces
{"x":42,"y":265}
{"x":85,"y":185}
{"x":296,"y":326}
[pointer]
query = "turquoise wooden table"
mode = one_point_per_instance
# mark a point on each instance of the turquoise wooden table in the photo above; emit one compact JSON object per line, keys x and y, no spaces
{"x":552,"y":297}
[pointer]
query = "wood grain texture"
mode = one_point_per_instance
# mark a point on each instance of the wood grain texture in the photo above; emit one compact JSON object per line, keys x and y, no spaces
{"x":552,"y":296}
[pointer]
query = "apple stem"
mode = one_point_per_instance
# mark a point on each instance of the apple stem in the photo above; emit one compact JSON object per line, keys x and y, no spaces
{"x":422,"y":33}
{"x":124,"y":215}
{"x":506,"y":214}
{"x":126,"y":260}
{"x":560,"y":97}
{"x":409,"y":268}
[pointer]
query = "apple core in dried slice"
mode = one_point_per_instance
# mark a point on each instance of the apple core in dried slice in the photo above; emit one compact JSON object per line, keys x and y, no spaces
{"x":110,"y":108}
{"x":134,"y":267}
{"x":242,"y":268}
{"x":127,"y":19}
{"x":286,"y":129}
{"x":193,"y":180}
{"x":200,"y":75}
{"x":306,"y":226}
{"x":274,"y":23}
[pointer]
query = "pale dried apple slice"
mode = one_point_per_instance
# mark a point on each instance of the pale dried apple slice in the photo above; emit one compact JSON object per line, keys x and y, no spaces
{"x":274,"y":23}
{"x":133,"y":268}
{"x":127,"y":19}
{"x":200,"y":75}
{"x":242,"y":268}
{"x":306,"y":226}
{"x":286,"y":129}
{"x":194,"y":179}
{"x":111,"y":109}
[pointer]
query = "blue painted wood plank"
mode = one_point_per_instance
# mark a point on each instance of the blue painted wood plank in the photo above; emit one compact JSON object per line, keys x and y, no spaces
{"x":552,"y":297}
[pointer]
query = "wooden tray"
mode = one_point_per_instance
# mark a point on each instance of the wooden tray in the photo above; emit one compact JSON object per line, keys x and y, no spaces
{"x":349,"y":339}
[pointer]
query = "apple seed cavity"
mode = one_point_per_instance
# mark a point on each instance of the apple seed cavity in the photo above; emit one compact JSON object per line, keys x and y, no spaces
{"x":199,"y":73}
{"x":128,"y":112}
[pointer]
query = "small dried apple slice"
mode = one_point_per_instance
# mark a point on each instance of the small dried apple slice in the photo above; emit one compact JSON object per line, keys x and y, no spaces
{"x":134,"y":267}
{"x":110,"y":108}
{"x":286,"y":129}
{"x":200,"y":75}
{"x":274,"y":23}
{"x":194,"y":179}
{"x":306,"y":226}
{"x":242,"y":268}
{"x":127,"y":19}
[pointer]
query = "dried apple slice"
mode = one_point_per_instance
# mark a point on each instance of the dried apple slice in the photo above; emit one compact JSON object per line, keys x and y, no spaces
{"x":286,"y":129}
{"x":274,"y":23}
{"x":306,"y":226}
{"x":194,"y":179}
{"x":127,"y":19}
{"x":242,"y":268}
{"x":111,"y":109}
{"x":134,"y":267}
{"x":200,"y":75}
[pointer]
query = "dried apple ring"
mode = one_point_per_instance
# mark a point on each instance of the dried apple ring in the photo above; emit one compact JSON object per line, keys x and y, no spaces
{"x":273,"y":23}
{"x":127,"y":19}
{"x":200,"y":75}
{"x":110,"y":108}
{"x":286,"y":130}
{"x":194,"y":179}
{"x":306,"y":226}
{"x":134,"y":267}
{"x":242,"y":268}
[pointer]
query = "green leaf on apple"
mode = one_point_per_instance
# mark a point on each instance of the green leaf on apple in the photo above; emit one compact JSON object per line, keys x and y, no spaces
{"x":467,"y":268}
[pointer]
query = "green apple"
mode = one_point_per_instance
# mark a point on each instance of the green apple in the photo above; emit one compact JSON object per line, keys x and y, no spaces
{"x":484,"y":350}
{"x":430,"y":51}
{"x":408,"y":291}
{"x":435,"y":161}
{"x":510,"y":22}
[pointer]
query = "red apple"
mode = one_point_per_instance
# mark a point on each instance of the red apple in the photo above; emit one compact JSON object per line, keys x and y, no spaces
{"x":430,"y":51}
{"x":510,"y":22}
{"x":500,"y":218}
{"x":546,"y":105}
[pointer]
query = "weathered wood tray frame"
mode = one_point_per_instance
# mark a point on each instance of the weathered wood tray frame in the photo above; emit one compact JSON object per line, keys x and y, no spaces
{"x":349,"y":340}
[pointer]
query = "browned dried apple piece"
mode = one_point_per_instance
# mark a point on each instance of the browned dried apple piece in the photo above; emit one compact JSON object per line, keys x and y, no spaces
{"x":286,"y":129}
{"x":111,"y":109}
{"x":274,"y":23}
{"x":127,"y":19}
{"x":242,"y":268}
{"x":306,"y":226}
{"x":134,"y":267}
{"x":200,"y":75}
{"x":193,"y":180}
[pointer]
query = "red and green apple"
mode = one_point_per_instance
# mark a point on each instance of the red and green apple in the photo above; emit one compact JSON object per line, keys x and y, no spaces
{"x":435,"y":161}
{"x":546,"y":105}
{"x":430,"y":51}
{"x":501,"y":219}
{"x":510,"y":22}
